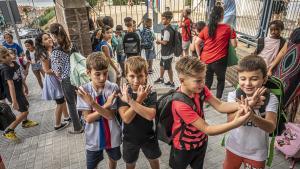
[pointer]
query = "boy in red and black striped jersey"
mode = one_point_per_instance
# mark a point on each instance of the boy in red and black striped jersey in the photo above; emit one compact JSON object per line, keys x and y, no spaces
{"x":189,"y":144}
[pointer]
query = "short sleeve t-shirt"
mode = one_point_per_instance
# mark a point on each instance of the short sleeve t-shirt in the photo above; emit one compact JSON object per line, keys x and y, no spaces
{"x":188,"y":115}
{"x":186,"y":30}
{"x":216,"y":48}
{"x":140,"y":130}
{"x":165,"y":49}
{"x":11,"y":73}
{"x":103,"y":133}
{"x":17,"y":48}
{"x":249,"y":141}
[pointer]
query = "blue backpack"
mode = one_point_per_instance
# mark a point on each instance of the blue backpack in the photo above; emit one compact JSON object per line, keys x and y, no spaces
{"x":147,"y":39}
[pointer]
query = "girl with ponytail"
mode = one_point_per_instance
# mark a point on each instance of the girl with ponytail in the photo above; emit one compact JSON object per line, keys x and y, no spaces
{"x":216,"y":37}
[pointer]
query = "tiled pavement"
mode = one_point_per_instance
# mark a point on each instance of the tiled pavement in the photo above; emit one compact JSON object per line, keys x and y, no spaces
{"x":42,"y":147}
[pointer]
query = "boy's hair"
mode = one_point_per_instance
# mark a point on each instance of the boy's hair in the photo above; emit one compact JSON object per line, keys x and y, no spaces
{"x":277,"y":23}
{"x":136,"y":64}
{"x":252,"y":63}
{"x":188,"y":11}
{"x":148,"y":22}
{"x":200,"y":25}
{"x":97,"y":61}
{"x":119,"y":28}
{"x":108,"y":20}
{"x":128,"y":21}
{"x":8,"y":34}
{"x":168,"y":15}
{"x":29,"y":41}
{"x":3,"y":52}
{"x":190,"y":66}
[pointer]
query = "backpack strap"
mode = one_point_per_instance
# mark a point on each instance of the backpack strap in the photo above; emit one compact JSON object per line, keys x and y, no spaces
{"x":282,"y":42}
{"x":260,"y":45}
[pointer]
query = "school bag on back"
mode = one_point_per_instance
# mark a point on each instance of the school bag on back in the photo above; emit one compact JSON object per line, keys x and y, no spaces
{"x":147,"y":39}
{"x":177,"y":42}
{"x":164,"y":117}
{"x":131,"y":43}
{"x":6,"y":116}
{"x":78,"y":74}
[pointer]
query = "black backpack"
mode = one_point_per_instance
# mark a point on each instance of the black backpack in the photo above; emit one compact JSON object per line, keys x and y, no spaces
{"x":6,"y":116}
{"x":177,"y":42}
{"x":132,"y":43}
{"x":164,"y":118}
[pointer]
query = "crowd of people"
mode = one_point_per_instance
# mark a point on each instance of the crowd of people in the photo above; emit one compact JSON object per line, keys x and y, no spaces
{"x":112,"y":114}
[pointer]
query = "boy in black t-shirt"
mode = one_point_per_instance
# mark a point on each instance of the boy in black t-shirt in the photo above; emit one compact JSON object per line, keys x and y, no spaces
{"x":137,"y":110}
{"x":11,"y":77}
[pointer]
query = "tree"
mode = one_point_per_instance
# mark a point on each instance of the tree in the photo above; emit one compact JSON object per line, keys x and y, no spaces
{"x":92,"y":2}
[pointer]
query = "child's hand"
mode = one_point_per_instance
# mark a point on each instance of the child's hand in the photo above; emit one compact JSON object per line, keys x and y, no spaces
{"x":85,"y":96}
{"x":257,"y":99}
{"x":111,"y":98}
{"x":243,"y":114}
{"x":142,"y":92}
{"x":15,"y":105}
{"x":125,"y":95}
{"x":158,"y":41}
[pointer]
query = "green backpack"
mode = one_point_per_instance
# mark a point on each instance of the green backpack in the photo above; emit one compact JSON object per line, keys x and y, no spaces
{"x":274,"y":86}
{"x":78,"y":75}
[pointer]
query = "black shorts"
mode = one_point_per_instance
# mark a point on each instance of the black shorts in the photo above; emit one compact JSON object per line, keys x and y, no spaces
{"x":131,"y":151}
{"x":93,"y":158}
{"x":22,"y":102}
{"x":180,"y":159}
{"x":166,"y":63}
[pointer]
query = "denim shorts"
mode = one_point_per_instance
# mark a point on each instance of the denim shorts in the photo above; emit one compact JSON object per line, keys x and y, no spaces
{"x":150,"y":54}
{"x":93,"y":158}
{"x":121,"y":58}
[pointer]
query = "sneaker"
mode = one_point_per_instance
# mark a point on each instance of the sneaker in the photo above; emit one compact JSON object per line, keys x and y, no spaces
{"x":170,"y":84}
{"x":67,"y":119}
{"x":62,"y":126}
{"x":29,"y":123}
{"x":11,"y":135}
{"x":159,"y":80}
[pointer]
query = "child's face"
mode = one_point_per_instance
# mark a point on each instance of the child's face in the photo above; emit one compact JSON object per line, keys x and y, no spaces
{"x":275,"y":31}
{"x":194,"y":84}
{"x":250,"y":81}
{"x":98,"y":77}
{"x":47,"y":41}
{"x":135,"y":80}
{"x":8,"y":39}
{"x":148,"y":24}
{"x":118,"y":33}
{"x":165,"y":21}
{"x":6,"y":59}
{"x":29,"y":47}
{"x":108,"y":34}
{"x":12,"y":55}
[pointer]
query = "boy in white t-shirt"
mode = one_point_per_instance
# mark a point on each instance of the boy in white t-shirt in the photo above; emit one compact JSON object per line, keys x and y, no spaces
{"x":248,"y":144}
{"x":96,"y":100}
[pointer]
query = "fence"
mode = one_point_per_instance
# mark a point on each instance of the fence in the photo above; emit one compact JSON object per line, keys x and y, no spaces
{"x":252,"y":16}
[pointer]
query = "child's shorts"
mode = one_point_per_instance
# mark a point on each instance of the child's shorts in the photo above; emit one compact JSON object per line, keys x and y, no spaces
{"x":131,"y":151}
{"x":22,"y":102}
{"x":186,"y":44}
{"x":180,"y":159}
{"x":166,"y":63}
{"x":36,"y":66}
{"x":121,"y":58}
{"x":93,"y":158}
{"x":233,"y":161}
{"x":150,"y":54}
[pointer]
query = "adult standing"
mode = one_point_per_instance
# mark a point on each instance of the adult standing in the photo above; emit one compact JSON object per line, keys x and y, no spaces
{"x":230,"y":13}
{"x":216,"y":37}
{"x":60,"y":64}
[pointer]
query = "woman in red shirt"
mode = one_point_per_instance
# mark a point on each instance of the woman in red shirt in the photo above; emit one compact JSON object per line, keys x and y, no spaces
{"x":216,"y":36}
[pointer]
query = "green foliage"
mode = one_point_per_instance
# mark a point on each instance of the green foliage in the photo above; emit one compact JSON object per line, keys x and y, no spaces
{"x":124,"y":2}
{"x":44,"y":19}
{"x":93,"y":2}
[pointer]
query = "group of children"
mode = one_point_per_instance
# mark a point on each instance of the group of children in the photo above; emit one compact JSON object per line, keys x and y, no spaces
{"x":124,"y":115}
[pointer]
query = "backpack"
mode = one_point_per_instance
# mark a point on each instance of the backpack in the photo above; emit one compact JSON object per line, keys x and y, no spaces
{"x":261,"y":44}
{"x":131,"y":43}
{"x":78,"y":74}
{"x":177,"y":42}
{"x":274,"y":86}
{"x":164,"y":117}
{"x":289,"y":142}
{"x":6,"y":116}
{"x":147,"y":39}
